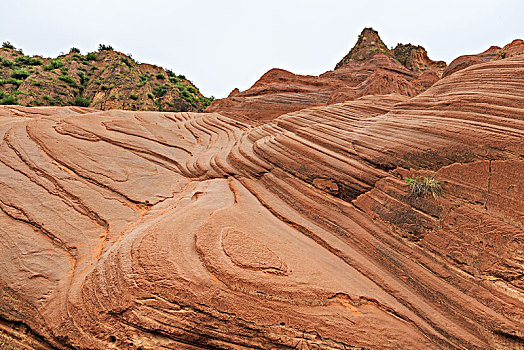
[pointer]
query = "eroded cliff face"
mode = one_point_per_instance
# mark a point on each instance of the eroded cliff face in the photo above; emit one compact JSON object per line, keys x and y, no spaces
{"x":147,"y":230}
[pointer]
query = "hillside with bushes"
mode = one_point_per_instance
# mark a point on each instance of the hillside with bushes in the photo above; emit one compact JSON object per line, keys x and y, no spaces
{"x":105,"y":79}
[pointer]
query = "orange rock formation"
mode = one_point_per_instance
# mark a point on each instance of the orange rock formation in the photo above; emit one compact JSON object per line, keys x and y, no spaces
{"x":151,"y":230}
{"x":370,"y":68}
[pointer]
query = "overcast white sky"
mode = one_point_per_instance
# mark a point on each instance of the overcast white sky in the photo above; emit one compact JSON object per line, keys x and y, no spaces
{"x":220,"y":45}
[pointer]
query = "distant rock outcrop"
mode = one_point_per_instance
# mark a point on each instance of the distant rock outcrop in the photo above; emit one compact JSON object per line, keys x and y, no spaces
{"x":369,"y":44}
{"x":369,"y":68}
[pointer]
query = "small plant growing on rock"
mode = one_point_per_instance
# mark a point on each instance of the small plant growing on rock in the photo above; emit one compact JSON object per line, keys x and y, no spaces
{"x":422,"y":185}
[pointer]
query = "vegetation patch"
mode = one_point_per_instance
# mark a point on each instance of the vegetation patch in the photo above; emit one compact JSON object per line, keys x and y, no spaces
{"x":20,"y":73}
{"x":7,"y":63}
{"x":80,"y":101}
{"x":54,"y":64}
{"x":7,"y":45}
{"x":29,"y":61}
{"x":161,"y":90}
{"x":421,"y":186}
{"x":69,"y":80}
{"x":66,"y":80}
{"x":92,"y":56}
{"x":8,"y":99}
{"x":102,"y":47}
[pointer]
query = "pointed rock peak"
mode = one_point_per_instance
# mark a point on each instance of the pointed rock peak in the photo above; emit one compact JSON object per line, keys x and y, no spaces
{"x":368,"y":45}
{"x":370,"y":37}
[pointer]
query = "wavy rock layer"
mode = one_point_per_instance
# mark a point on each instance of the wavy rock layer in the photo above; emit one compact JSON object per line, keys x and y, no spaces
{"x":144,"y":230}
{"x":370,"y":68}
{"x":279,"y":92}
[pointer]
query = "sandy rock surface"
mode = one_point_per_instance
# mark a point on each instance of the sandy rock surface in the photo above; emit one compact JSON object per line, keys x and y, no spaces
{"x":151,"y":230}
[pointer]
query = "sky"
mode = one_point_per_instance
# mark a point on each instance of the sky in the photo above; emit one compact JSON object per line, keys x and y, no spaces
{"x":227,"y":44}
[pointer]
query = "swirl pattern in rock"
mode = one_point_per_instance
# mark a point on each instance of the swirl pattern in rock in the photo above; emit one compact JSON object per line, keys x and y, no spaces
{"x":148,"y":230}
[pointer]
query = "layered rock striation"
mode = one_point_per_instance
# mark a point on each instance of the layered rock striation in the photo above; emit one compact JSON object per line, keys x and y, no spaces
{"x":370,"y":68}
{"x":147,"y":230}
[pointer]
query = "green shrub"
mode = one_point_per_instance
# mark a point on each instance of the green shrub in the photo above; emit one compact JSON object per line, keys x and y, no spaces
{"x":151,"y":96}
{"x":20,"y":73}
{"x":126,"y":61}
{"x":185,"y":94}
{"x":102,"y":47}
{"x":80,"y":101}
{"x":143,"y":79}
{"x":6,"y":99}
{"x":83,"y":78}
{"x":31,"y":61}
{"x":69,"y":80}
{"x":78,"y":58}
{"x":54,"y":64}
{"x":160,"y":76}
{"x":14,"y":81}
{"x":91,"y":56}
{"x":172,"y":76}
{"x":7,"y":63}
{"x":74,"y":50}
{"x":104,"y":87}
{"x":7,"y":45}
{"x":56,"y":101}
{"x":160,"y":91}
{"x":206,"y":101}
{"x":133,"y":96}
{"x":423,"y":185}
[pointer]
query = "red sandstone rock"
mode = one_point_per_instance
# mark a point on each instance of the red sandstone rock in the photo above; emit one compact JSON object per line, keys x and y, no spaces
{"x":148,"y":230}
{"x":370,"y":68}
{"x":516,"y":47}
{"x":278,"y":91}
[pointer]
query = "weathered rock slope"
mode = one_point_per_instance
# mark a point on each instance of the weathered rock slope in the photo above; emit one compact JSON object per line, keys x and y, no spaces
{"x":516,"y":47}
{"x":104,"y":80}
{"x":148,"y":230}
{"x":370,"y":68}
